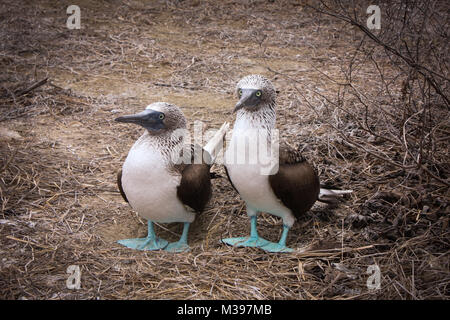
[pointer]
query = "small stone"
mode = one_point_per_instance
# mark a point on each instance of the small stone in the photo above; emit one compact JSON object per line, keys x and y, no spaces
{"x":7,"y":134}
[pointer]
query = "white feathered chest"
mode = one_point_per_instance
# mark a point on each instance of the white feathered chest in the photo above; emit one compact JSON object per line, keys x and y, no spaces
{"x":151,"y":188}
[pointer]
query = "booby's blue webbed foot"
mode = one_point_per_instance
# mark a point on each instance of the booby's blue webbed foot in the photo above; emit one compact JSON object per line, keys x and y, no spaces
{"x":181,"y":245}
{"x":177,"y":247}
{"x":151,"y":242}
{"x":276,"y":247}
{"x":254,"y":240}
{"x":281,"y":245}
{"x":144,"y":243}
{"x":250,"y":241}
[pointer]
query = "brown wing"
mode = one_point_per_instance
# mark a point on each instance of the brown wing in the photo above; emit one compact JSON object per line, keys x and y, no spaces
{"x":195,"y":186}
{"x":119,"y":184}
{"x":296,"y":183}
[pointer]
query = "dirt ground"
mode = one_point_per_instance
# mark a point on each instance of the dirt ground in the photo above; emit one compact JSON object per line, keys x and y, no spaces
{"x":60,"y":150}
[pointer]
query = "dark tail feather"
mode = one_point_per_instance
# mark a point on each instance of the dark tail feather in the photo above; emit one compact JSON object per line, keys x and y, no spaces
{"x":334,"y":201}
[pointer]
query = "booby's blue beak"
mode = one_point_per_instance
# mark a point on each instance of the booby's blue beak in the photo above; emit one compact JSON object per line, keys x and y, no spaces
{"x":248,"y":98}
{"x":149,"y":119}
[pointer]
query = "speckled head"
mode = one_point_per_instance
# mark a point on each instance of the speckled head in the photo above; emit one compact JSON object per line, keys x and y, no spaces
{"x":158,"y":118}
{"x":254,"y":92}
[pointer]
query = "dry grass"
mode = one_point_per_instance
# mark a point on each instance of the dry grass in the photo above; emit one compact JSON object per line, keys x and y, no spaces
{"x":59,"y":202}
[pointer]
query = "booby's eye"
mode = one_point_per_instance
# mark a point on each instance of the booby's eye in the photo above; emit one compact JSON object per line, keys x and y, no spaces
{"x":258,"y":93}
{"x":161,"y":116}
{"x":240,"y":92}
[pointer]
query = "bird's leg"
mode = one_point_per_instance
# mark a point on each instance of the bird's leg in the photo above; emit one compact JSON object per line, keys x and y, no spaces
{"x":253,"y":228}
{"x":151,"y":242}
{"x":254,"y":240}
{"x":281,"y":245}
{"x":181,"y":245}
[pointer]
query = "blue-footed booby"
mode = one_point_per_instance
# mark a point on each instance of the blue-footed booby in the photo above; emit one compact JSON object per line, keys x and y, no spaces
{"x":159,"y":181}
{"x":289,"y":188}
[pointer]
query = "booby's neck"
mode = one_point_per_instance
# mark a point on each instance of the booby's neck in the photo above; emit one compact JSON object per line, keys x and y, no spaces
{"x":263,"y":118}
{"x":164,"y":143}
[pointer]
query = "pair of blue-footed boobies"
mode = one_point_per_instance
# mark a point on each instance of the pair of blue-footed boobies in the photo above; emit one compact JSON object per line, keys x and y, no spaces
{"x":160,"y":189}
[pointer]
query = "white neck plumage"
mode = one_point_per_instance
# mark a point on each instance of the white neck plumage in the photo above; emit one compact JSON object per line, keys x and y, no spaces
{"x":254,"y":141}
{"x":260,"y":121}
{"x":170,"y":144}
{"x":263,"y":118}
{"x":164,"y":143}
